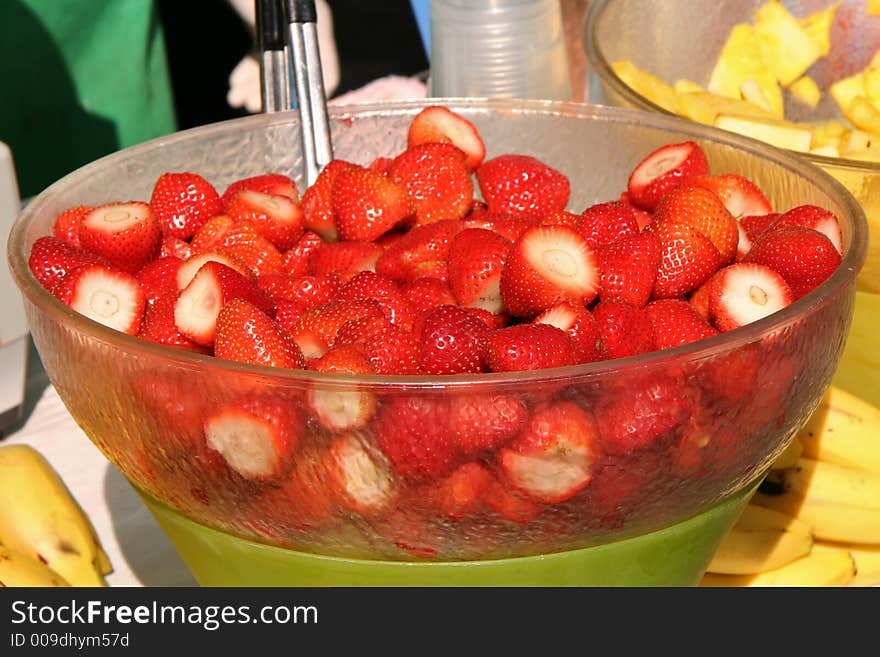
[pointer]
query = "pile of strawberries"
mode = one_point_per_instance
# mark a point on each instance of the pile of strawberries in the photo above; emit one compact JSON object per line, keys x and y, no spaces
{"x":435,"y":262}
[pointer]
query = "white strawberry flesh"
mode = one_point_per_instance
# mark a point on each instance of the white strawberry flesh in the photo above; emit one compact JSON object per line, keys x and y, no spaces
{"x":664,"y":160}
{"x":339,"y":410}
{"x":562,"y":257}
{"x":117,"y":217}
{"x":110,"y":298}
{"x":364,"y":477}
{"x":552,"y":477}
{"x":247,"y":443}
{"x":747,"y":292}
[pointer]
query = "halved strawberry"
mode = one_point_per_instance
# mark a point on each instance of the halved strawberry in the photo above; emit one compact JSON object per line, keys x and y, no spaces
{"x":182,"y":202}
{"x":804,"y":257}
{"x":175,"y":247}
{"x":277,"y":218}
{"x":380,"y":164}
{"x":744,"y":293}
{"x":159,"y":327}
{"x":345,"y":259}
{"x":337,"y":408}
{"x":507,"y":225}
{"x":522,"y":184}
{"x":243,"y":240}
{"x":127,"y":235}
{"x":420,"y":252}
{"x":604,"y":223}
{"x":256,"y":437}
{"x":159,"y":277}
{"x":702,"y":209}
{"x":625,"y":329}
{"x":361,"y":475}
{"x":427,"y":292}
{"x":440,"y":124}
{"x":246,"y":334}
{"x":436,"y":179}
{"x":687,"y":259}
{"x":740,"y":195}
{"x":510,"y":504}
{"x":548,"y":264}
{"x":51,"y":259}
{"x":199,"y":304}
{"x":192,"y":265}
{"x":480,"y":423}
{"x":819,"y":219}
{"x":676,"y":322}
{"x":370,"y":285}
{"x":367,"y":204}
{"x":296,"y":258}
{"x":643,"y":218}
{"x":106,"y":295}
{"x":581,"y":327}
{"x":276,"y":184}
{"x":66,"y":225}
{"x":628,"y":268}
{"x":316,"y":206}
{"x":210,"y":234}
{"x":476,"y":258}
{"x":460,"y":494}
{"x":450,"y":341}
{"x":663,"y":170}
{"x":553,"y":458}
{"x":527,"y":347}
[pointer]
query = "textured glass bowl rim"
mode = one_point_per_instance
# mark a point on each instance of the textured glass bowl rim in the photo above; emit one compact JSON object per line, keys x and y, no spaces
{"x":603,"y":69}
{"x":843,"y":277}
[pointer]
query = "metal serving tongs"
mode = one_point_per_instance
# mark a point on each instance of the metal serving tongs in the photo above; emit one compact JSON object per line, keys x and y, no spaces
{"x":304,"y":62}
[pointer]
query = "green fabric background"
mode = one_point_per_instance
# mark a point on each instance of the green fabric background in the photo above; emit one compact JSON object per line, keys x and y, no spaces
{"x":80,"y":79}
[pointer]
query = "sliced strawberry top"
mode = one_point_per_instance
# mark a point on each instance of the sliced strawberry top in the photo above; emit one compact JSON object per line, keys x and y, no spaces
{"x":663,"y":170}
{"x":66,"y":226}
{"x":440,"y":124}
{"x":268,"y":183}
{"x":51,"y":259}
{"x":127,"y":235}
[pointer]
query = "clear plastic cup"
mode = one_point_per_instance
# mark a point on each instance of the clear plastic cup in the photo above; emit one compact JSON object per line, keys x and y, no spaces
{"x":498,"y":48}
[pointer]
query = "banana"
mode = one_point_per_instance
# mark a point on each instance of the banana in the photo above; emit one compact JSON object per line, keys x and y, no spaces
{"x":819,"y":568}
{"x":17,"y":569}
{"x":761,"y":540}
{"x":867,"y":558}
{"x":40,"y":518}
{"x":789,"y":456}
{"x":844,"y":430}
{"x":839,"y":503}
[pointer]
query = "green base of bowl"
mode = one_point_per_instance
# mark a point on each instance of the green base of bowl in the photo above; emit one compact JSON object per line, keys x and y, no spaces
{"x":674,"y":556}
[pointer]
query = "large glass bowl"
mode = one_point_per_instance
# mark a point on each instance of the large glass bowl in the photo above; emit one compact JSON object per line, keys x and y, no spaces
{"x":728,"y":405}
{"x":681,"y":39}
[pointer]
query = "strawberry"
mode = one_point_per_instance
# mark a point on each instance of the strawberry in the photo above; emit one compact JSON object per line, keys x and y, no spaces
{"x":388,"y":348}
{"x":729,"y":378}
{"x":642,"y":413}
{"x":510,"y":504}
{"x":276,"y":184}
{"x":480,"y":423}
{"x":159,"y":324}
{"x":676,"y":322}
{"x":316,"y":205}
{"x":256,"y":437}
{"x":527,"y":347}
{"x":66,"y":225}
{"x":819,"y":219}
{"x":702,"y":209}
{"x":307,"y":292}
{"x":295,"y":260}
{"x":605,"y":223}
{"x":699,"y":298}
{"x":548,"y":264}
{"x":436,"y":179}
{"x":421,"y":252}
{"x":159,"y":277}
{"x":426,"y":292}
{"x":628,"y":268}
{"x":288,"y":313}
{"x":476,"y":258}
{"x":174,"y":247}
{"x":197,"y":309}
{"x":687,"y":259}
{"x":338,"y":409}
{"x":744,"y":293}
{"x":739,"y":195}
{"x":581,"y":327}
{"x":381,"y":164}
{"x":106,"y":295}
{"x":279,"y":219}
{"x":243,"y":241}
{"x":316,"y":332}
{"x":367,"y":204}
{"x":439,"y":124}
{"x":643,"y":218}
{"x":51,"y":259}
{"x":560,"y":218}
{"x":345,"y":259}
{"x":553,"y":457}
{"x":126,"y":235}
{"x":192,"y":265}
{"x":624,"y":329}
{"x":210,"y":234}
{"x":246,"y":334}
{"x":756,"y":225}
{"x":460,"y":494}
{"x":360,"y":475}
{"x":370,"y":285}
{"x":802,"y":256}
{"x":450,"y":341}
{"x":663,"y":170}
{"x":492,"y":320}
{"x":412,"y":431}
{"x":507,"y":225}
{"x":182,"y":202}
{"x":522,"y":184}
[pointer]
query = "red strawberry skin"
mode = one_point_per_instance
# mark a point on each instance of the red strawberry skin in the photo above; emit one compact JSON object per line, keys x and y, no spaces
{"x":527,"y":347}
{"x":423,"y":251}
{"x":450,"y":342}
{"x":159,"y":277}
{"x":296,"y":259}
{"x":247,"y":335}
{"x":476,"y":258}
{"x":66,"y":226}
{"x":522,"y":184}
{"x":159,"y":325}
{"x":440,"y":124}
{"x":51,"y":259}
{"x":580,"y":325}
{"x":604,"y":223}
{"x":676,"y":322}
{"x":182,"y":202}
{"x":663,"y":170}
{"x":266,"y":183}
{"x":367,"y":204}
{"x":628,"y":268}
{"x":277,"y":218}
{"x":344,"y":259}
{"x":624,"y":329}
{"x":128,"y":248}
{"x":702,"y":209}
{"x":687,"y":259}
{"x":481,"y":423}
{"x":316,"y":204}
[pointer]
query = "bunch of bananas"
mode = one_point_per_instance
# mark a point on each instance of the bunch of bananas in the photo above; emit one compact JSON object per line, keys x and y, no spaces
{"x":815,"y":520}
{"x":45,"y":537}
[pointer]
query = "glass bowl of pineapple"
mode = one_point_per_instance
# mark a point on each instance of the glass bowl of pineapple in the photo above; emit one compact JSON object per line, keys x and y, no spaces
{"x":803,"y":75}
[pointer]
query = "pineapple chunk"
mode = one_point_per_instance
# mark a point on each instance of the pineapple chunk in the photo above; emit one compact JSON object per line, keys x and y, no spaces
{"x":687,"y":87}
{"x":751,"y":91}
{"x":785,"y":45}
{"x":828,"y":134}
{"x":649,"y":86}
{"x":828,"y":150}
{"x":818,"y":27}
{"x":806,"y":90}
{"x":871,"y":83}
{"x":846,"y":89}
{"x":782,"y":134}
{"x":740,"y":60}
{"x":873,"y":8}
{"x":704,"y":107}
{"x":858,"y":140}
{"x":863,"y":114}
